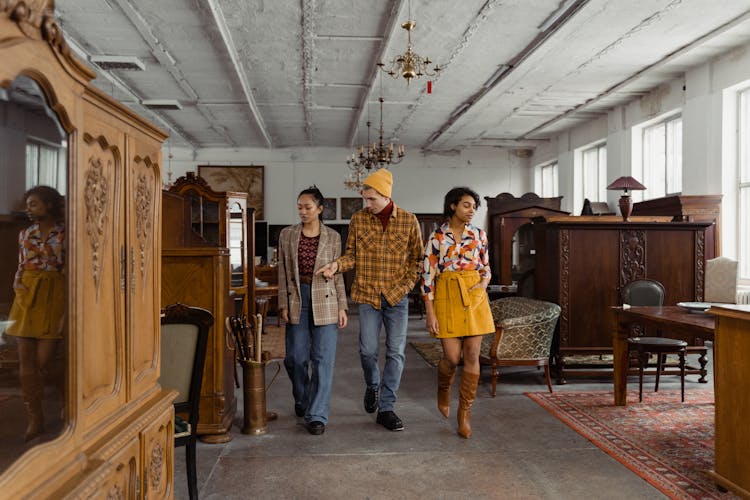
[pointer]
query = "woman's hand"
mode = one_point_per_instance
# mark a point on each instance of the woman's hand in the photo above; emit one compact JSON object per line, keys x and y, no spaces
{"x":284,"y":315}
{"x":343,"y":319}
{"x":482,"y":284}
{"x":17,"y":285}
{"x":432,"y":323}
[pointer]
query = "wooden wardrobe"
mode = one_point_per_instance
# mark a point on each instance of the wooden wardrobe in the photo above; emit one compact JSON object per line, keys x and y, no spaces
{"x":117,"y":441}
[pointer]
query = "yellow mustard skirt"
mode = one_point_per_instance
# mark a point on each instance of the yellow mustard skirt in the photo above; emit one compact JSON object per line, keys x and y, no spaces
{"x":36,"y":312}
{"x":460,"y":312}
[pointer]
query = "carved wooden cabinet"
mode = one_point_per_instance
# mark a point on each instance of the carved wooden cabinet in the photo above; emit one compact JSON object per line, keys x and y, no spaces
{"x":582,"y":264}
{"x":117,"y":438}
{"x":208,"y":237}
{"x":510,"y":236}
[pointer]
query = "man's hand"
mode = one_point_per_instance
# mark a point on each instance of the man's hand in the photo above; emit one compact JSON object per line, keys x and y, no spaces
{"x":328,"y":270}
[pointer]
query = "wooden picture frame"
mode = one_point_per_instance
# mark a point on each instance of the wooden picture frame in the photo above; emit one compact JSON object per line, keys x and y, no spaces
{"x":350,"y":206}
{"x":329,"y":209}
{"x":239,"y":178}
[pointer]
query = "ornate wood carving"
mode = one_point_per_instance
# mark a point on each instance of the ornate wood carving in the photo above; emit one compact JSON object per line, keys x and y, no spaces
{"x":156,"y":466}
{"x":143,"y":207}
{"x":115,"y":493}
{"x":632,"y":256}
{"x":564,"y":284}
{"x":700,"y":268}
{"x":97,"y":198}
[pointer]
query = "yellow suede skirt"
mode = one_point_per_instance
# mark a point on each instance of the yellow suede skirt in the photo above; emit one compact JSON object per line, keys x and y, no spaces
{"x":460,"y":312}
{"x":37,"y":311}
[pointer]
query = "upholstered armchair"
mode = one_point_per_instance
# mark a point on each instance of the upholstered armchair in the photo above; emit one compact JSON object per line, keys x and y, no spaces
{"x":523,"y":335}
{"x":721,"y":280}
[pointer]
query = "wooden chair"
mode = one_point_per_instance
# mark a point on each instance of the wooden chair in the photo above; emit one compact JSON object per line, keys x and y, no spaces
{"x":523,"y":335}
{"x":184,"y":337}
{"x":646,"y":292}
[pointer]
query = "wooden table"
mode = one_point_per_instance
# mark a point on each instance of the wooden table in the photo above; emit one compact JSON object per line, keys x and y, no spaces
{"x":732,"y":393}
{"x":674,"y":322}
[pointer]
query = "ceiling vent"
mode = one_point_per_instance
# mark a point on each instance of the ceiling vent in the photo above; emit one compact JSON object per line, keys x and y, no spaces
{"x":125,"y":63}
{"x":162,"y":104}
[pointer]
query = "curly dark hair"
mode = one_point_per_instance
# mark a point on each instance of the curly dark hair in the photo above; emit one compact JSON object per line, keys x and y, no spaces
{"x":52,"y":199}
{"x":317,"y":196}
{"x":453,"y":197}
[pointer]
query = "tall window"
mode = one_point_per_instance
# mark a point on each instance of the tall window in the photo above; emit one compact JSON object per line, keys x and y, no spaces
{"x":744,"y":185}
{"x":594,"y":170}
{"x":662,"y":158}
{"x":45,"y":164}
{"x":548,"y":180}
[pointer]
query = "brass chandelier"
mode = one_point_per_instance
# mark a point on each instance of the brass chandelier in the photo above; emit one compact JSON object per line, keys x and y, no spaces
{"x":410,"y":64}
{"x":373,"y":156}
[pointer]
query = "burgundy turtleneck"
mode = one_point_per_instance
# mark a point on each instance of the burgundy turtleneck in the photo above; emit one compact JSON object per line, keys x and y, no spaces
{"x":385,"y":214}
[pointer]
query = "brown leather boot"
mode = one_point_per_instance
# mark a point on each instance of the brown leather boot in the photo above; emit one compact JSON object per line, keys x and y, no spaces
{"x":466,"y":395}
{"x":446,"y":374}
{"x":31,"y":386}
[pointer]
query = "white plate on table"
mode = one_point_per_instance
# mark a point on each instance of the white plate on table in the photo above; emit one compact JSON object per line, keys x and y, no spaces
{"x":695,"y":306}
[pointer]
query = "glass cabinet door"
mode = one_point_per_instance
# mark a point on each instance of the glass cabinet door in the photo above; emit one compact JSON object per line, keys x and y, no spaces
{"x":236,"y":244}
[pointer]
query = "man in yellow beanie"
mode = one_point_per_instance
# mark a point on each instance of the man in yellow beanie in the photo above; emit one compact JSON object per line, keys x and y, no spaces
{"x":385,"y":247}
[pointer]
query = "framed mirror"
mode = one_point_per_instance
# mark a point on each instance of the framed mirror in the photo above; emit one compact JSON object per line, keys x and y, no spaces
{"x":33,"y":298}
{"x":236,"y":243}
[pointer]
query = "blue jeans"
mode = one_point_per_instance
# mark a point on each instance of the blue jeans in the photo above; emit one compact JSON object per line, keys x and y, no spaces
{"x":395,"y":319}
{"x":310,"y":355}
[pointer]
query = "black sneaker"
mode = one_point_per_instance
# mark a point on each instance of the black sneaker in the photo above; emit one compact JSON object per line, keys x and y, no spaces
{"x":316,"y":428}
{"x":299,"y":410}
{"x":371,"y":400}
{"x":390,"y":421}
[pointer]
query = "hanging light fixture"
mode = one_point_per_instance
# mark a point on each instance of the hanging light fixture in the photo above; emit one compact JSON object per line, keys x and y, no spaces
{"x":372,"y":156}
{"x":410,"y":64}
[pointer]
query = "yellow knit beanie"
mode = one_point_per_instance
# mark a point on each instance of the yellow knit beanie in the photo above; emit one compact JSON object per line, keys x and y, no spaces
{"x":381,"y":181}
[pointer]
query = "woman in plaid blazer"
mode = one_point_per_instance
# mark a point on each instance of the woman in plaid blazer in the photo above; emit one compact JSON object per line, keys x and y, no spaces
{"x":312,"y":308}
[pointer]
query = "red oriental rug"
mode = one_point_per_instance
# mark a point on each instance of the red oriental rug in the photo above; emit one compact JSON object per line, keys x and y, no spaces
{"x":667,"y":443}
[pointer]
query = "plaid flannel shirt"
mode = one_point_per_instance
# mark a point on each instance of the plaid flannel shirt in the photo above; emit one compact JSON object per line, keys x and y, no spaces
{"x":388,"y":262}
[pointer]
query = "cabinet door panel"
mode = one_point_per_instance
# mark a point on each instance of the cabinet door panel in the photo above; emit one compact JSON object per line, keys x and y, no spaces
{"x":100,"y":278}
{"x":143,"y":202}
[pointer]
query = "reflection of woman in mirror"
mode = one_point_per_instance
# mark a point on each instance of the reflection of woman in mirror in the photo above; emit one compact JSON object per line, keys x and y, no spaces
{"x":37,"y":313}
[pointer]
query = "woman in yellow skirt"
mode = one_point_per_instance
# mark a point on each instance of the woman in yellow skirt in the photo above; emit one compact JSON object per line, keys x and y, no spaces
{"x":454,"y":284}
{"x":37,"y":313}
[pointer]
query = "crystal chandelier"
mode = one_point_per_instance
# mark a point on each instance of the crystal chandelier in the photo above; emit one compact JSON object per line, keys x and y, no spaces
{"x":372,"y":156}
{"x":410,"y":64}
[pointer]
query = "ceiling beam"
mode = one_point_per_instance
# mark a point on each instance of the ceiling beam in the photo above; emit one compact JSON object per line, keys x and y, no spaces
{"x":239,"y":68}
{"x":548,"y":28}
{"x":308,"y":65}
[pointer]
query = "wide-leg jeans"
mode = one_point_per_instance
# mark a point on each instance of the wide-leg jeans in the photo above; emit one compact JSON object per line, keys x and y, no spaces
{"x":310,"y":356}
{"x":371,"y":320}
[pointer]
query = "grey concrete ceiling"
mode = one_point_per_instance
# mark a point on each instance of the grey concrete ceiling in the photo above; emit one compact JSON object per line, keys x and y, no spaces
{"x":280,"y":73}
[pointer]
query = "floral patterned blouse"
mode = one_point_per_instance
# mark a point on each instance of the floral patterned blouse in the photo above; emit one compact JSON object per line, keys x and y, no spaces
{"x":35,"y":254}
{"x":442,"y":253}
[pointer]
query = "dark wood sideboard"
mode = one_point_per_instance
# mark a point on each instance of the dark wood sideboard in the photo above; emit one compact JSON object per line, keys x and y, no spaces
{"x":582,"y":264}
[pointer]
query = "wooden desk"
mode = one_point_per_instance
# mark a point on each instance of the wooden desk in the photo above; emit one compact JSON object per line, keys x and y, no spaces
{"x":732,"y":393}
{"x":674,"y":322}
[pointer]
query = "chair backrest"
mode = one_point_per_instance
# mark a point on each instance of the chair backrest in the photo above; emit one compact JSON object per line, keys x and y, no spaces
{"x":643,"y":292}
{"x":721,"y":280}
{"x":527,"y":327}
{"x":184,"y":337}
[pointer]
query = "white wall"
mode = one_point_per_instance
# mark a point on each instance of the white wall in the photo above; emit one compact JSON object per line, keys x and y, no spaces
{"x":709,"y":136}
{"x":420,"y":181}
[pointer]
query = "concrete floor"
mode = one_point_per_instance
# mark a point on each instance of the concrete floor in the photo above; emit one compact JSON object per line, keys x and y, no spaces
{"x":518,"y":449}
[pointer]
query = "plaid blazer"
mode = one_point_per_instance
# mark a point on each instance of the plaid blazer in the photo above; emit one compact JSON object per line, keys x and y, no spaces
{"x":328,"y":296}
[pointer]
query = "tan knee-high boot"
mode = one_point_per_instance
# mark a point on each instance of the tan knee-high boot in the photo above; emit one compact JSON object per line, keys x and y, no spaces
{"x":31,"y":386}
{"x":467,"y":393}
{"x":446,"y":374}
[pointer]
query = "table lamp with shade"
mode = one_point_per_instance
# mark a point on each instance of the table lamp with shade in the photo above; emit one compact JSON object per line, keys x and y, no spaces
{"x":626,"y":183}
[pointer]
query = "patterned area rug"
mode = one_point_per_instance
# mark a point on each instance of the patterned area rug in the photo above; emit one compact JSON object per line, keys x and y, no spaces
{"x":667,"y":443}
{"x":431,"y":352}
{"x":273,"y":341}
